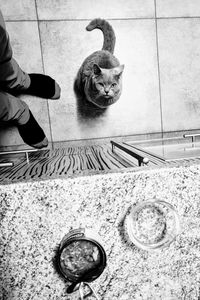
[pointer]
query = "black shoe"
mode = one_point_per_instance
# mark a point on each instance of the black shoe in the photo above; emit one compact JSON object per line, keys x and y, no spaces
{"x":32,"y":134}
{"x":43,"y":86}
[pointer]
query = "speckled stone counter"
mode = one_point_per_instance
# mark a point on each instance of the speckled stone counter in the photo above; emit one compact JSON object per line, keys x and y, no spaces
{"x":36,"y":215}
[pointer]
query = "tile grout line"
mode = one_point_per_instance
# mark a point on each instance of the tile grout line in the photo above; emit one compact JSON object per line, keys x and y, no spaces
{"x":111,"y":19}
{"x":40,"y":39}
{"x":158,"y":67}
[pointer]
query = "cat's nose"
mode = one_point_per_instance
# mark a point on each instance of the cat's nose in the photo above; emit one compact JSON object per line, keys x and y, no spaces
{"x":106,"y":91}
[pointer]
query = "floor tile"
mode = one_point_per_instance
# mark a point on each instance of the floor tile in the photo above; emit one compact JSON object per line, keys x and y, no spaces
{"x":66,"y":44}
{"x":179,"y":53}
{"x":26,"y":50}
{"x":18,"y":10}
{"x":178,"y":8}
{"x":61,"y":9}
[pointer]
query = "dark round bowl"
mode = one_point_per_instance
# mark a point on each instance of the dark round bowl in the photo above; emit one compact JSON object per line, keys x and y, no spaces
{"x":90,"y":274}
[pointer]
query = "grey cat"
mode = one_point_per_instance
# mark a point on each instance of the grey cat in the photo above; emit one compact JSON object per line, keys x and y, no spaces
{"x":100,"y":77}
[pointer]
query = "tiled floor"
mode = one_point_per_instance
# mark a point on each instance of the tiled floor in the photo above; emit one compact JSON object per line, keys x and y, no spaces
{"x":180,"y":72}
{"x":88,"y":9}
{"x":178,"y":8}
{"x":57,"y":45}
{"x":157,"y":40}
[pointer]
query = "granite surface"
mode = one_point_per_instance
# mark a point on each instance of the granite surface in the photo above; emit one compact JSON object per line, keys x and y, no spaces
{"x":36,"y":215}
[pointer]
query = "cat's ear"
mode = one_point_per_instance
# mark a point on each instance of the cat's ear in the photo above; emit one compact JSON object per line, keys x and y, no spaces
{"x":121,"y":67}
{"x":96,"y":69}
{"x":118,"y":71}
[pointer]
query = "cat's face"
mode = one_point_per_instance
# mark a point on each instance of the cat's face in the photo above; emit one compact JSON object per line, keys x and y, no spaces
{"x":106,"y":86}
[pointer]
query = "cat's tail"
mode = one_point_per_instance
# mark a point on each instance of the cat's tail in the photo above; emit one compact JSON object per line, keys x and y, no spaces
{"x":108,"y":33}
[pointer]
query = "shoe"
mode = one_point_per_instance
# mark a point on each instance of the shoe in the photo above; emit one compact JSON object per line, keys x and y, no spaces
{"x":43,"y":86}
{"x":32,"y":134}
{"x":42,"y":144}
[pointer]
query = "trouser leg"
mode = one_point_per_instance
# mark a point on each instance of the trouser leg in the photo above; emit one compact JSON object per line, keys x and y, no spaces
{"x":11,"y":75}
{"x":13,"y":109}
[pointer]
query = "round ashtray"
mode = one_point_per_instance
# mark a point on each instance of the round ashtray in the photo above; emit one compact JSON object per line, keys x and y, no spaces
{"x":152,"y":224}
{"x":81,"y":257}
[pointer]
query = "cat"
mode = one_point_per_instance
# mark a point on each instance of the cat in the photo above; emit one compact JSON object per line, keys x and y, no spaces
{"x":99,"y":78}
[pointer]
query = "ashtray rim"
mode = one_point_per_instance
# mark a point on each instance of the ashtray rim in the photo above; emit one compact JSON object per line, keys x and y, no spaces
{"x":163,"y":242}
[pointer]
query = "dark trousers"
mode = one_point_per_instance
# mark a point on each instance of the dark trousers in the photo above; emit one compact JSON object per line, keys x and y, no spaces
{"x":12,"y":78}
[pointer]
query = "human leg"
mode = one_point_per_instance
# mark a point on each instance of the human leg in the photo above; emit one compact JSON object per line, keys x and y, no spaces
{"x":11,"y":75}
{"x":17,"y":112}
{"x":14,"y":80}
{"x":13,"y":109}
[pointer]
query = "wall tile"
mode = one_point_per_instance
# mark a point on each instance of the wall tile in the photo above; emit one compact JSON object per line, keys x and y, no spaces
{"x":18,"y":10}
{"x":62,"y":9}
{"x":26,"y":50}
{"x":179,"y":53}
{"x":178,"y":8}
{"x":66,"y":44}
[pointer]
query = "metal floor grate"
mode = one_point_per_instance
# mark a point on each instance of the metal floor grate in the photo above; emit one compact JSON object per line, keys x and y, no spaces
{"x":62,"y":162}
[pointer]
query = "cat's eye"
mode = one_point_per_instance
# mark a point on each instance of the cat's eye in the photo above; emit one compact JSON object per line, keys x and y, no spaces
{"x":113,"y":84}
{"x":100,"y":83}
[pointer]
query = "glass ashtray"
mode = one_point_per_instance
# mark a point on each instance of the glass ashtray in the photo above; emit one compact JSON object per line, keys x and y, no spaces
{"x":152,"y":224}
